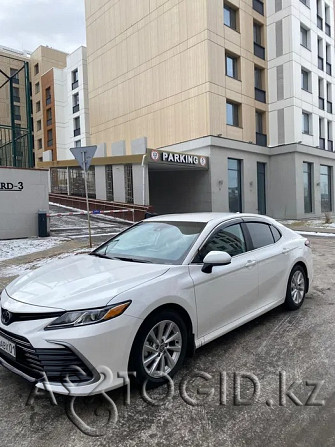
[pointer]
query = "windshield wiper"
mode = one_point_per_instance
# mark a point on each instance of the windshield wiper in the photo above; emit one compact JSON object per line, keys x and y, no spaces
{"x":120,"y":258}
{"x":100,"y":255}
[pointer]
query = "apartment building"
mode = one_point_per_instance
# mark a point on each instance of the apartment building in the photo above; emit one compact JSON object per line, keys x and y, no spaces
{"x":243,"y":88}
{"x":65,"y":107}
{"x":42,"y":60}
{"x":301,"y":69}
{"x":13,"y":108}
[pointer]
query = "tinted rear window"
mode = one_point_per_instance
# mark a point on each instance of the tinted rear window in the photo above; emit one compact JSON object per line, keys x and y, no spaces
{"x":260,"y":234}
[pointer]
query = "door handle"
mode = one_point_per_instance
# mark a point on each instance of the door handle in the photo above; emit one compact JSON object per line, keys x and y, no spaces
{"x":285,"y":250}
{"x":250,"y":263}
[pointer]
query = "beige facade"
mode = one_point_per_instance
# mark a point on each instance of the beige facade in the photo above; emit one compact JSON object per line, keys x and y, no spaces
{"x":156,"y":68}
{"x":10,"y":61}
{"x":41,"y":61}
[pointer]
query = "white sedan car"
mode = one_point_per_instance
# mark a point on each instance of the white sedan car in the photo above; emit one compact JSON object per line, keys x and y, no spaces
{"x":147,"y":298}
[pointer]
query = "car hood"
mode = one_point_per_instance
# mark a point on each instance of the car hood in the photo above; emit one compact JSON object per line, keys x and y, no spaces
{"x":81,"y":282}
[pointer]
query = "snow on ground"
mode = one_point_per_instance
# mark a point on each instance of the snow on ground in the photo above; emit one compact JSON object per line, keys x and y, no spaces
{"x":315,"y":223}
{"x":13,"y":248}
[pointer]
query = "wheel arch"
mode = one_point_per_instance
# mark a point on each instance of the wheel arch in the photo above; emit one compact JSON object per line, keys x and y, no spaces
{"x":304,"y":266}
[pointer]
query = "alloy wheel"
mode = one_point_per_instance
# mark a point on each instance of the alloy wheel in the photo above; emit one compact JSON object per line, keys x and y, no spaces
{"x":297,"y":287}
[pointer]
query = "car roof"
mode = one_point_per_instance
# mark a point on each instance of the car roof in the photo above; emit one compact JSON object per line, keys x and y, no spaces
{"x":202,"y":217}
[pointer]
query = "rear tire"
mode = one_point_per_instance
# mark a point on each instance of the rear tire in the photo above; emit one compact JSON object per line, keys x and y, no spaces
{"x":296,"y":288}
{"x":159,"y":348}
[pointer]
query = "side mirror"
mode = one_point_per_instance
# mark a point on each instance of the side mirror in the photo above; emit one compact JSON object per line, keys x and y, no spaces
{"x":214,"y":258}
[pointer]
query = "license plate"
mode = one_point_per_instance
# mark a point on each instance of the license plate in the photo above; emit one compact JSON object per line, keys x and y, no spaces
{"x":7,"y":347}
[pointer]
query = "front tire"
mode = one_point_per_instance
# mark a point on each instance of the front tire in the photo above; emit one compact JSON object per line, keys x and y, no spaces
{"x":296,"y":288}
{"x":159,"y":348}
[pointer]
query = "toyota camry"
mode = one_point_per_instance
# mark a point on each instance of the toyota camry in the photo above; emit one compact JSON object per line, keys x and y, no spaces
{"x":147,"y":298}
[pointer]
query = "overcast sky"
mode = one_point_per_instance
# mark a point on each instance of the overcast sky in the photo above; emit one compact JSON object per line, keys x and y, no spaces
{"x":26,"y":24}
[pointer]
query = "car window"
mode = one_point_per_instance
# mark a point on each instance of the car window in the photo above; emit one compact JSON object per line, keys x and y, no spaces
{"x":160,"y":242}
{"x":260,"y":234}
{"x":229,"y":239}
{"x":276,"y":233}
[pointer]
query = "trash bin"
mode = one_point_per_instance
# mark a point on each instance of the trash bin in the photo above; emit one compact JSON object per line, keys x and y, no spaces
{"x":42,"y":224}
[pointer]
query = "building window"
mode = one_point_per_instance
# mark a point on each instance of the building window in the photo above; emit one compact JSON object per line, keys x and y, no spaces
{"x":329,"y":98}
{"x":48,"y":96}
{"x":49,"y":117}
{"x":328,"y":60}
{"x":320,"y":54}
{"x":322,"y":141}
{"x":39,"y":143}
{"x":37,"y":87}
{"x":75,"y":81}
{"x":128,"y":183}
{"x":231,"y":66}
{"x":259,"y":50}
{"x":321,"y":94}
{"x":38,"y":106}
{"x":319,"y":14}
{"x":330,"y":136}
{"x":304,"y":37}
{"x":260,"y":94}
{"x":36,"y":69}
{"x":16,"y":94}
{"x":75,"y":102}
{"x":261,"y":187}
{"x":258,"y":6}
{"x":305,"y":80}
{"x":14,"y":74}
{"x":327,"y":21}
{"x":77,"y":143}
{"x":307,"y":172}
{"x":306,"y":117}
{"x":109,"y":183}
{"x":326,"y":188}
{"x":305,"y":2}
{"x":261,"y":138}
{"x":17,"y":113}
{"x":76,"y":124}
{"x":232,"y":112}
{"x":50,"y":138}
{"x":229,"y":14}
{"x":234,"y":185}
{"x":39,"y":125}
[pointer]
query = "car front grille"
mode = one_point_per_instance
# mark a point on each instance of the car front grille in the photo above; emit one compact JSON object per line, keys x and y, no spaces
{"x":58,"y":365}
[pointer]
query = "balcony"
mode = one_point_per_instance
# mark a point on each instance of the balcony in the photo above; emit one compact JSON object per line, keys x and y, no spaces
{"x":328,"y":68}
{"x":320,"y":63}
{"x":330,"y":145}
{"x":76,"y":132}
{"x":49,"y":122}
{"x":319,"y":22}
{"x":258,"y":6}
{"x":48,"y":100}
{"x":260,"y":95}
{"x":321,"y":103}
{"x":261,"y":139}
{"x":75,"y":85}
{"x":327,"y":29}
{"x":329,"y":107}
{"x":259,"y":51}
{"x":322,"y":143}
{"x":75,"y":108}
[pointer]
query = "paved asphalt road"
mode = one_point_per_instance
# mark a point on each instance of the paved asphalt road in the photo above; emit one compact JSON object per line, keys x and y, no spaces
{"x":299,"y":344}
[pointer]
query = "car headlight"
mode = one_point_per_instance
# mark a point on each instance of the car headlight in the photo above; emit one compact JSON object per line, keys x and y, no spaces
{"x":85,"y":317}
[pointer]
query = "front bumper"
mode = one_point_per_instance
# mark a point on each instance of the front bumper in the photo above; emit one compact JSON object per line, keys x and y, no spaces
{"x":75,"y":361}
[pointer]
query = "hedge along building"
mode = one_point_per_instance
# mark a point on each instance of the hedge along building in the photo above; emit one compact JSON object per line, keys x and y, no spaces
{"x":231,"y":81}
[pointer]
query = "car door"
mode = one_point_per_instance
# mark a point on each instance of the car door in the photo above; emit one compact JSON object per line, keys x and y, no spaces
{"x":271,"y":257}
{"x":231,"y":291}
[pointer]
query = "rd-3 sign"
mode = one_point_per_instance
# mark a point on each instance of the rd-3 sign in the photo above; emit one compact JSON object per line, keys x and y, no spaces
{"x":8,"y":186}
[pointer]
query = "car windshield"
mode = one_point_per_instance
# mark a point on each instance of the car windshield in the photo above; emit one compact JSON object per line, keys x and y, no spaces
{"x":155,"y":242}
